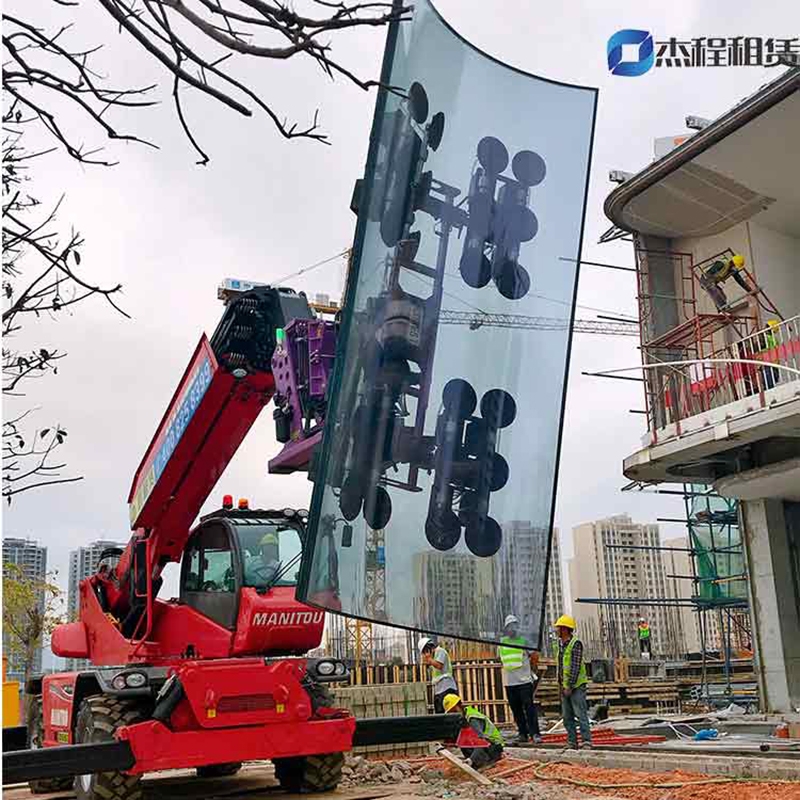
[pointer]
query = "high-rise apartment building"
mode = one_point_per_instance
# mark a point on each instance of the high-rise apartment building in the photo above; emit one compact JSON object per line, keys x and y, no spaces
{"x":614,"y":561}
{"x":83,"y":563}
{"x":31,"y":558}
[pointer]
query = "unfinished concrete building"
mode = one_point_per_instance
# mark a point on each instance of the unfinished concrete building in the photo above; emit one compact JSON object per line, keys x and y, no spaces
{"x":720,"y":343}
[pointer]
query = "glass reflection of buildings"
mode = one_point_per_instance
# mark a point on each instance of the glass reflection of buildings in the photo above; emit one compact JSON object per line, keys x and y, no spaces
{"x":451,"y":589}
{"x":520,"y":579}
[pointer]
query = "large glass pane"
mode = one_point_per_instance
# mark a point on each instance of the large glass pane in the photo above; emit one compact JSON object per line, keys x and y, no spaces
{"x":434,"y":495}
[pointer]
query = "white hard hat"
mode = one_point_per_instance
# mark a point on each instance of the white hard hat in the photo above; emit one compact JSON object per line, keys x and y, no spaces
{"x":510,"y":620}
{"x":423,"y":642}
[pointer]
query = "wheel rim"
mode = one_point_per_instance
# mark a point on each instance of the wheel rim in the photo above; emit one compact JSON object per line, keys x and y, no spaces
{"x":86,"y":782}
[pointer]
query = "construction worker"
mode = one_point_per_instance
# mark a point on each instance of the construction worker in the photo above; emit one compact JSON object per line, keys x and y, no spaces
{"x":519,"y":663}
{"x":262,"y":568}
{"x":768,"y":342}
{"x":643,"y":630}
{"x":438,"y":659}
{"x":572,"y":681}
{"x":477,"y":757}
{"x":713,"y":276}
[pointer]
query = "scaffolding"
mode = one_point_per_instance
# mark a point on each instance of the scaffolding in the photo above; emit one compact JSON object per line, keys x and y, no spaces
{"x":719,"y":595}
{"x":675,"y":325}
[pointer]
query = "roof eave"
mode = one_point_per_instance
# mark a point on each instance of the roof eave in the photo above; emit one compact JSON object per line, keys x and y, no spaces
{"x":728,"y":123}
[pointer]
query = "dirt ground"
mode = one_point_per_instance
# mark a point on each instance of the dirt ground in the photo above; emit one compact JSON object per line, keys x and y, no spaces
{"x":412,"y":779}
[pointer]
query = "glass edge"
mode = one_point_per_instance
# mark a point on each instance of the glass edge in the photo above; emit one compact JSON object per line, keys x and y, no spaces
{"x":496,"y":60}
{"x":354,"y":267}
{"x":568,"y":360}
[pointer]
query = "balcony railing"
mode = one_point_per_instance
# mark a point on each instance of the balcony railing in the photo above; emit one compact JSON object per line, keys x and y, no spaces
{"x":676,"y":393}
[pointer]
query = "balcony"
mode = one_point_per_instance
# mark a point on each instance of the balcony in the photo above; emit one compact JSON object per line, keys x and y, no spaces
{"x":740,"y":376}
{"x":713,"y":420}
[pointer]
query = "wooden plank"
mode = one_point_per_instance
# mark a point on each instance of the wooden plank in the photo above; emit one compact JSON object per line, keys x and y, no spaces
{"x":464,"y":767}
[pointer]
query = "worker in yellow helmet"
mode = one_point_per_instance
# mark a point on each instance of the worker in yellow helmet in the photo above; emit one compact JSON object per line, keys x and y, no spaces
{"x":715,"y":274}
{"x":264,"y":565}
{"x":572,"y":681}
{"x":477,"y":757}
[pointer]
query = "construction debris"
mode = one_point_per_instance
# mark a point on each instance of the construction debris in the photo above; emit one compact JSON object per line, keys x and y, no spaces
{"x":515,"y":778}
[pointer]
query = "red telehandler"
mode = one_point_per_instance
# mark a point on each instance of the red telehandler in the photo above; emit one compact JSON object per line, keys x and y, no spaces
{"x":216,"y":676}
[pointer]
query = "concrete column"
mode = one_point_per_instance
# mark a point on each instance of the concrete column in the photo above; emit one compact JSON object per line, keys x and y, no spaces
{"x":774,"y":601}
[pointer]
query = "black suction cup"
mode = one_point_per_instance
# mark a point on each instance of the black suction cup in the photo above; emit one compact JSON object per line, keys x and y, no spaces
{"x":458,"y":394}
{"x":513,"y":282}
{"x":492,"y":155}
{"x":498,"y":476}
{"x":436,"y":130}
{"x":378,"y":508}
{"x":443,"y":532}
{"x":528,"y":168}
{"x":483,"y":538}
{"x":418,"y":102}
{"x":351,"y":498}
{"x":475,"y":268}
{"x":498,"y":408}
{"x":522,"y":223}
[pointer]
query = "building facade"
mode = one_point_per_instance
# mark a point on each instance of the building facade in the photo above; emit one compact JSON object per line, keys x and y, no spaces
{"x":31,"y":558}
{"x":716,"y":230}
{"x":616,"y":560}
{"x":83,"y":563}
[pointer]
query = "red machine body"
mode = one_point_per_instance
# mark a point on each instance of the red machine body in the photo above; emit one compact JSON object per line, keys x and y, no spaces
{"x":217,"y":674}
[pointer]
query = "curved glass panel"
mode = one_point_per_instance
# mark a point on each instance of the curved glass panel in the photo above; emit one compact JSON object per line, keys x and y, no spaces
{"x":434,"y":495}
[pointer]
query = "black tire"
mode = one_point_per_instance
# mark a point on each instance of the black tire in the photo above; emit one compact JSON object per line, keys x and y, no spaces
{"x":35,"y":734}
{"x":98,"y":718}
{"x":320,"y":773}
{"x":219,"y":770}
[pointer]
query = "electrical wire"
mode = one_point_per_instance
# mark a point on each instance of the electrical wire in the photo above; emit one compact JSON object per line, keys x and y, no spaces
{"x":457,"y":298}
{"x":311,"y":267}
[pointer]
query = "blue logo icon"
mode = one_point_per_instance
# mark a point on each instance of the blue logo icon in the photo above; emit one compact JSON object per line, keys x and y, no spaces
{"x":629,"y":69}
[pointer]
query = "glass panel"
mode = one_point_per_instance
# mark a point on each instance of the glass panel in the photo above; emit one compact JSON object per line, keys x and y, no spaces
{"x":192,"y":582}
{"x":270,"y":554}
{"x":218,"y":575}
{"x":433,"y":498}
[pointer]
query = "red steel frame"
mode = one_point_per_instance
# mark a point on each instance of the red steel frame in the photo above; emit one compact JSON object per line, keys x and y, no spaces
{"x":693,"y":335}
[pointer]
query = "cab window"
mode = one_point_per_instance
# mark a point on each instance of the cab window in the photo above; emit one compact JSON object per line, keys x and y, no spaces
{"x":208,"y":576}
{"x":270,"y":554}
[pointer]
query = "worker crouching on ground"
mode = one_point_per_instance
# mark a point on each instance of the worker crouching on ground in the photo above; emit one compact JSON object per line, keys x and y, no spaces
{"x":438,"y":659}
{"x":519,"y":679}
{"x":572,"y":681}
{"x":477,"y":757}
